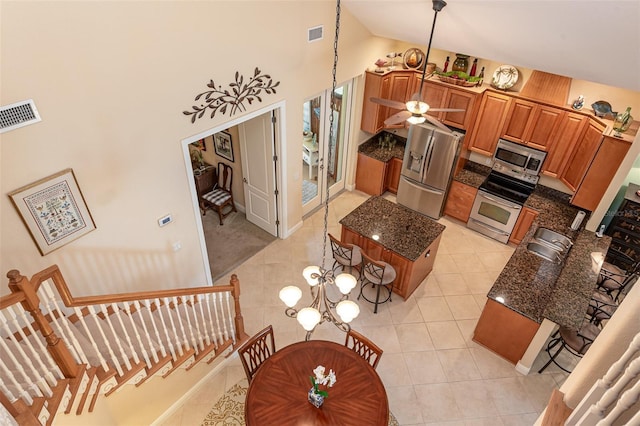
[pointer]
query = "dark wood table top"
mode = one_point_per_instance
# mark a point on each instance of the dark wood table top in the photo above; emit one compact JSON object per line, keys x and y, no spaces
{"x":278,"y":392}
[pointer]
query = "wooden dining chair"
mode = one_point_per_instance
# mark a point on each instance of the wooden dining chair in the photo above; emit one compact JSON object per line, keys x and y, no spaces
{"x":220,"y":198}
{"x":257,"y":350}
{"x":363,"y":347}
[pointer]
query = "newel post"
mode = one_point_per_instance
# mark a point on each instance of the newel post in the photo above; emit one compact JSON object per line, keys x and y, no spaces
{"x":31,"y":303}
{"x":239,"y":321}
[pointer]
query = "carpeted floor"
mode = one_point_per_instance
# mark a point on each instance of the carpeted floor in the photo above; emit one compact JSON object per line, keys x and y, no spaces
{"x":309,"y":190}
{"x":234,"y":242}
{"x":229,"y":409}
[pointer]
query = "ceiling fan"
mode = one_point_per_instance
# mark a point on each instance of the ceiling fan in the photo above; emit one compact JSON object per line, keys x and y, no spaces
{"x":415,"y":110}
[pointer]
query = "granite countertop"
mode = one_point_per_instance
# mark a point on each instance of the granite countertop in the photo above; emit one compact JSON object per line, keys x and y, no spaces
{"x":371,"y":148}
{"x":537,"y":288}
{"x":400,"y":229}
{"x":473,"y":174}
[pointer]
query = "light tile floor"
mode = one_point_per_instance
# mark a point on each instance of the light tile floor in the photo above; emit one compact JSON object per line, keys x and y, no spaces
{"x":432,"y":370}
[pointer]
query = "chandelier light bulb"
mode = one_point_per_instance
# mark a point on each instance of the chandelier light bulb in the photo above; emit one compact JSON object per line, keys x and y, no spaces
{"x":417,"y":107}
{"x":345,"y":282}
{"x":347,"y":310}
{"x":308,"y":318}
{"x":290,"y":295}
{"x":308,"y":271}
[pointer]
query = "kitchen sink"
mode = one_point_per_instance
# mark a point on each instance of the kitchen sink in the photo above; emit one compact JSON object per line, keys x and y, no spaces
{"x":556,"y":241}
{"x":545,"y":251}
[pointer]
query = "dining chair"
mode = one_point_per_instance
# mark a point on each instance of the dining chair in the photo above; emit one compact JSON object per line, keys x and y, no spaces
{"x":257,"y":350}
{"x":380,"y":275}
{"x":363,"y":347}
{"x":345,"y":255}
{"x":220,"y":198}
{"x":576,"y":342}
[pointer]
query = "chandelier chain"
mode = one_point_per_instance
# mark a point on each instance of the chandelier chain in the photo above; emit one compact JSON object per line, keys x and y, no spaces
{"x":331,"y":131}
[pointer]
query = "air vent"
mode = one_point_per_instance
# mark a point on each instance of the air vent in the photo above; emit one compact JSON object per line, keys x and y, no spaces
{"x":18,"y":115}
{"x":315,"y":33}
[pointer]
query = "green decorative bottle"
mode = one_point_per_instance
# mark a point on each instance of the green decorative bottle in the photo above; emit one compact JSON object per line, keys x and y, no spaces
{"x":622,"y":121}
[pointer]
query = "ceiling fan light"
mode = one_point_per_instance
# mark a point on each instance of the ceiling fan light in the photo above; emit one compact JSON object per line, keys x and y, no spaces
{"x":416,"y":119}
{"x":417,"y":107}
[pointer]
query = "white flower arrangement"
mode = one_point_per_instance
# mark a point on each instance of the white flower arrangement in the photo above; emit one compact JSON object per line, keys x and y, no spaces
{"x":320,"y":378}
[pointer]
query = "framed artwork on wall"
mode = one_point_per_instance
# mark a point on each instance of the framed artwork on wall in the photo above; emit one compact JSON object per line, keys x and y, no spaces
{"x":223,"y":145}
{"x":54,"y":210}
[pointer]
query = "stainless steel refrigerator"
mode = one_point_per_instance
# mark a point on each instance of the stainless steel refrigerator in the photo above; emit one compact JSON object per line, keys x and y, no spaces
{"x":429,"y":159}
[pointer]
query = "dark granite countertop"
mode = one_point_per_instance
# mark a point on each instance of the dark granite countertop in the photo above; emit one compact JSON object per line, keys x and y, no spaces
{"x":371,"y":148}
{"x":400,"y":229}
{"x":537,"y":288}
{"x":473,"y":174}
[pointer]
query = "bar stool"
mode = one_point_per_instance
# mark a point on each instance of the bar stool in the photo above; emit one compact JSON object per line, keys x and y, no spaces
{"x":601,"y":307}
{"x":379,"y":274}
{"x":577,"y":342}
{"x":345,"y":255}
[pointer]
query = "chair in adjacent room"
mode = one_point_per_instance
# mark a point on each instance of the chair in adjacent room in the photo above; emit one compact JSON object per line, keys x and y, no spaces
{"x":220,"y":198}
{"x":380,"y":275}
{"x":257,"y":350}
{"x":347,"y":256}
{"x":364,"y":347}
{"x":576,"y":342}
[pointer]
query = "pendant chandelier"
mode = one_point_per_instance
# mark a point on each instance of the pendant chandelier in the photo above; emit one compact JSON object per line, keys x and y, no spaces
{"x":319,"y":278}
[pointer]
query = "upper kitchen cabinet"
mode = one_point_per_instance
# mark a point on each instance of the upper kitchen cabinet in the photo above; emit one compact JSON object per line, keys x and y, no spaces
{"x":582,"y":155}
{"x":561,"y":147}
{"x":440,"y":95}
{"x":489,"y":122}
{"x":532,"y":124}
{"x":600,"y":173}
{"x":394,"y":85}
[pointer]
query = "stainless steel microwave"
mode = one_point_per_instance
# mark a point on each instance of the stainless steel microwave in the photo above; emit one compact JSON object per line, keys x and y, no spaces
{"x":518,"y":159}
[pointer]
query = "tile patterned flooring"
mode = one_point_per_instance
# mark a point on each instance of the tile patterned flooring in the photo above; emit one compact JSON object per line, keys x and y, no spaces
{"x":433,"y":372}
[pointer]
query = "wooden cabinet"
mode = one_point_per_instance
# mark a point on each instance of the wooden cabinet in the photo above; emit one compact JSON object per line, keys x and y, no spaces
{"x":504,"y":332}
{"x":532,"y":124}
{"x":460,"y":201}
{"x":409,"y":274}
{"x":489,"y":123}
{"x":392,"y":175}
{"x":438,"y":95}
{"x":558,"y":154}
{"x":600,"y":173}
{"x":370,"y":175}
{"x":396,"y":85}
{"x":582,"y":155}
{"x":524,"y":222}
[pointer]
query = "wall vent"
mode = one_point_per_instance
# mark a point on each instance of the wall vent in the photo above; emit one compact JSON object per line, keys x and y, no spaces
{"x":18,"y":115}
{"x":315,"y":33}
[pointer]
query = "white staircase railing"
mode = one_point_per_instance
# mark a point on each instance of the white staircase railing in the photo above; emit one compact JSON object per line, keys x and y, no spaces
{"x":50,"y":340}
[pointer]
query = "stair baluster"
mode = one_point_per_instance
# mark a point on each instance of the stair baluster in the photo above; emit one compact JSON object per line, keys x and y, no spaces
{"x":89,"y":335}
{"x":170,"y":344}
{"x":212,"y":328}
{"x":183,"y":344}
{"x":6,"y":372}
{"x":203,"y":319}
{"x":107,"y":319}
{"x":139,"y":311}
{"x":184,"y":315}
{"x":121,"y":318}
{"x":230,"y":331}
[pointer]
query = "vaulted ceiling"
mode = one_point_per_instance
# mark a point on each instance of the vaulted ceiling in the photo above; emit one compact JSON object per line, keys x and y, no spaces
{"x":593,"y":40}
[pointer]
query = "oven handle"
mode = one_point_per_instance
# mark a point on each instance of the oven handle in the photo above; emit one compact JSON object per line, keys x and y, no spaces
{"x":502,"y":203}
{"x":490,"y":228}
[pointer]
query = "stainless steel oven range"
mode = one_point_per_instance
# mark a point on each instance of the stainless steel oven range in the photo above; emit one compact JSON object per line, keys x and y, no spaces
{"x":500,"y":198}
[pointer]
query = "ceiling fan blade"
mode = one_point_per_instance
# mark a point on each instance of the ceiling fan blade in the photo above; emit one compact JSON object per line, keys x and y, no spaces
{"x":388,"y":103}
{"x":435,"y":122}
{"x":447,"y":110}
{"x":397,"y":118}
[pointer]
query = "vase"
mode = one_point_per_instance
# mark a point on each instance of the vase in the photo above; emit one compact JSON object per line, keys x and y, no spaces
{"x":623,"y":121}
{"x":316,"y":399}
{"x":461,"y":63}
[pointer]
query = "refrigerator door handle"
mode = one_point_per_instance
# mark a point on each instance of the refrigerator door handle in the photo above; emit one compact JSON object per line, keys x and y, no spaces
{"x":429,"y":156}
{"x":422,"y":188}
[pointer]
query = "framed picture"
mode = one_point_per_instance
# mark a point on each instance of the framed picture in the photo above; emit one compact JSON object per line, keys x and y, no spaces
{"x":53,"y":210}
{"x":223,"y":145}
{"x":200,"y":145}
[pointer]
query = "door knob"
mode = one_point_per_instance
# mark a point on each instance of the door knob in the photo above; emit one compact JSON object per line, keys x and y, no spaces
{"x":245,"y":180}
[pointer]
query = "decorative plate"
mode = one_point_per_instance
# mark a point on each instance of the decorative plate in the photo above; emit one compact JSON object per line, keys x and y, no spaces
{"x":603,"y":109}
{"x":413,"y":58}
{"x":504,"y":77}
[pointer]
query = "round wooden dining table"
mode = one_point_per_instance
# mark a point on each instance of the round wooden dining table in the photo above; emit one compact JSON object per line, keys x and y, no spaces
{"x":278,"y":392}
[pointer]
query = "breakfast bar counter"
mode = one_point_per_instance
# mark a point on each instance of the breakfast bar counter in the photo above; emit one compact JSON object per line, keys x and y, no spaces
{"x":397,"y":235}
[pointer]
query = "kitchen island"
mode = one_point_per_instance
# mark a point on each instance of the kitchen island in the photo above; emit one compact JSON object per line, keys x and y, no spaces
{"x":406,"y":240}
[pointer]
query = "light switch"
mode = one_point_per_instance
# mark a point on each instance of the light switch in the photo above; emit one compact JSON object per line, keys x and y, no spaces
{"x":165,"y":220}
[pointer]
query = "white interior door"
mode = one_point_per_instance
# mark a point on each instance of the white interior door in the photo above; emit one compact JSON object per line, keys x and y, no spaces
{"x":258,"y":169}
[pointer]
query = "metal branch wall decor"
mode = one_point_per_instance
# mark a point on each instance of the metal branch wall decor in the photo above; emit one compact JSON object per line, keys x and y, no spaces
{"x":233,"y":98}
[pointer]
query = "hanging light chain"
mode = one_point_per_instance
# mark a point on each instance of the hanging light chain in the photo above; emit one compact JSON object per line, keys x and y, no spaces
{"x":331,"y":130}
